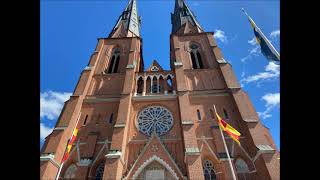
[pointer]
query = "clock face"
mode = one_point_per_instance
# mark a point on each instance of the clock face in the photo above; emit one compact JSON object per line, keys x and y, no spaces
{"x":156,"y":119}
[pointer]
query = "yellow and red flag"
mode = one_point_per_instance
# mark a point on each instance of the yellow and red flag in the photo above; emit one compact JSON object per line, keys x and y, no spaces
{"x":71,"y":141}
{"x":233,"y":133}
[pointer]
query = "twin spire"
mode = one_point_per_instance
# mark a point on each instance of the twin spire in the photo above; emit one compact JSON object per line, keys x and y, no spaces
{"x":128,"y":24}
{"x":183,"y":16}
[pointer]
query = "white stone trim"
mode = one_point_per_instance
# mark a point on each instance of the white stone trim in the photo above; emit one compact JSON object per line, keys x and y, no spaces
{"x":178,"y":64}
{"x":87,"y":68}
{"x":120,"y":125}
{"x":84,"y":162}
{"x":62,"y":128}
{"x":187,"y":122}
{"x":49,"y":157}
{"x":158,"y":159}
{"x":113,"y":155}
{"x":130,"y":66}
{"x":192,"y":151}
{"x":159,"y":97}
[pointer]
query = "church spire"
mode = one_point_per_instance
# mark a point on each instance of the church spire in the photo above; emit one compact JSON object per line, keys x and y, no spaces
{"x":183,"y":16}
{"x":128,"y":24}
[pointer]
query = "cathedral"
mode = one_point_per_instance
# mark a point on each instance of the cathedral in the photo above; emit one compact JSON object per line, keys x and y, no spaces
{"x":139,"y":122}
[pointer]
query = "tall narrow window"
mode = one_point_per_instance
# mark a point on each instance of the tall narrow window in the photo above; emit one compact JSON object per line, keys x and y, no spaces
{"x":154,"y":87}
{"x":199,"y":115}
{"x":208,"y":170}
{"x":196,"y":57}
{"x":199,"y":60}
{"x":193,"y":59}
{"x":225,"y":114}
{"x":85,"y":120}
{"x":169,"y":84}
{"x":140,"y":85}
{"x":99,"y":171}
{"x":114,"y":62}
{"x":111,"y":118}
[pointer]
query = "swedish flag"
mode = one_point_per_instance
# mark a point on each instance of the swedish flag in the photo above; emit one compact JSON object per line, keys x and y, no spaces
{"x":266,"y":47}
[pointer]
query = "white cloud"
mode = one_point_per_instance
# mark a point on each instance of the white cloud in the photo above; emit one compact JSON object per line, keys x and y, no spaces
{"x":253,"y":51}
{"x":275,"y":33}
{"x":51,"y":103}
{"x":253,"y":41}
{"x":44,"y":131}
{"x":272,"y":100}
{"x":220,"y":35}
{"x":272,"y":71}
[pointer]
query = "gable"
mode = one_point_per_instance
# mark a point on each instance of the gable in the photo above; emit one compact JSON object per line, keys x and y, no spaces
{"x":154,"y":150}
{"x":154,"y":67}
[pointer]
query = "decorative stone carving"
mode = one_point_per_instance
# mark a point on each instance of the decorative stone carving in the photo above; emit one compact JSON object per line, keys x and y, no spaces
{"x":154,"y":148}
{"x":155,"y":118}
{"x":84,"y":162}
{"x":158,"y":159}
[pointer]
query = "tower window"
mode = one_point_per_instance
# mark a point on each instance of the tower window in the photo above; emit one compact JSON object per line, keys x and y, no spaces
{"x":111,"y":118}
{"x":85,"y":120}
{"x":196,"y":57}
{"x":199,"y":115}
{"x":225,"y":114}
{"x":114,"y":62}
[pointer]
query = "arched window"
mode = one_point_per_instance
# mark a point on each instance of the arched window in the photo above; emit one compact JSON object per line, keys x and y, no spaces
{"x":241,"y":166}
{"x":226,"y":116}
{"x":154,"y":88}
{"x":169,"y":84}
{"x":208,"y":170}
{"x":99,"y":171}
{"x":70,"y":172}
{"x":114,"y":62}
{"x":140,"y":85}
{"x":196,"y":57}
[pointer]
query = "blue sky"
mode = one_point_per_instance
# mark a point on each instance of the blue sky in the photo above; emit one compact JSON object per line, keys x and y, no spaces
{"x":69,"y":32}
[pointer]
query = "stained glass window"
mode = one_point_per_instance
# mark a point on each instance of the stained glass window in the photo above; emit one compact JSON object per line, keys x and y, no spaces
{"x":99,"y":171}
{"x":208,"y":171}
{"x":155,"y":118}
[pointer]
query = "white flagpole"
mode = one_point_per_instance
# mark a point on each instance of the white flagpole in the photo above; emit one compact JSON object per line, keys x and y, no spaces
{"x":61,"y":165}
{"x":263,"y":36}
{"x":225,"y":146}
{"x":57,"y":177}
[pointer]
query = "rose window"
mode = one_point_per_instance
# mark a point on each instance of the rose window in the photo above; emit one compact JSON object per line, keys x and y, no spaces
{"x":155,"y":118}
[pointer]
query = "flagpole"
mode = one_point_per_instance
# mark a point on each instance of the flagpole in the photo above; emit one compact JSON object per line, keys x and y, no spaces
{"x":57,"y":177}
{"x":225,"y":146}
{"x":263,"y":36}
{"x":61,"y":165}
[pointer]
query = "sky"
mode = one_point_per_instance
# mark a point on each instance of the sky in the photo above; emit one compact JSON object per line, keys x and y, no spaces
{"x":69,"y":32}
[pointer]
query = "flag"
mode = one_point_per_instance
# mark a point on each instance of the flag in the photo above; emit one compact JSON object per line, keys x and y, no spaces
{"x":233,"y":133}
{"x":71,"y":141}
{"x":266,"y":47}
